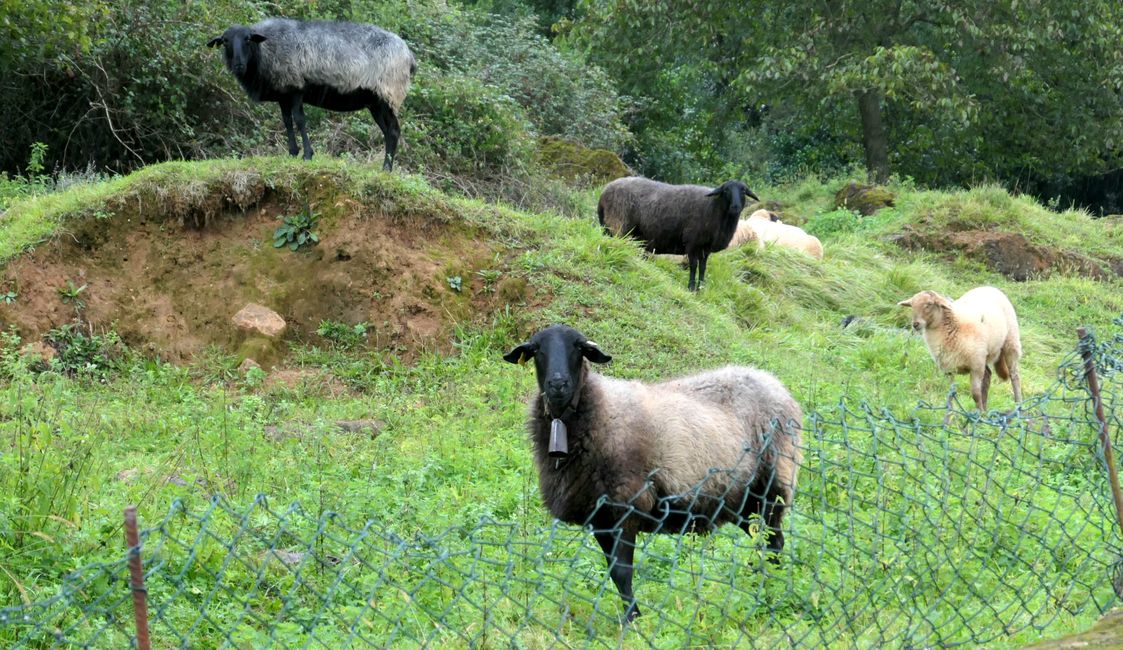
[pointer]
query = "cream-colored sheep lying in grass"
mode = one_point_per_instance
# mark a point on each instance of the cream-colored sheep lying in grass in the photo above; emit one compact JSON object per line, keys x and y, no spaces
{"x":769,"y":229}
{"x":743,"y":235}
{"x":970,"y":335}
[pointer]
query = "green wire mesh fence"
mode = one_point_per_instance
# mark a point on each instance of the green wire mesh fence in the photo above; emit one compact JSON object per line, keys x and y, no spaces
{"x":903,"y":533}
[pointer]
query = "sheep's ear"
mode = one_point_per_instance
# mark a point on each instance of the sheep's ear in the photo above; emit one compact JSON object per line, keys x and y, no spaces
{"x":593,"y":352}
{"x":749,"y":193}
{"x":773,"y":217}
{"x":521,"y":354}
{"x":906,"y":303}
{"x":715,"y":191}
{"x":257,"y":38}
{"x":214,"y":42}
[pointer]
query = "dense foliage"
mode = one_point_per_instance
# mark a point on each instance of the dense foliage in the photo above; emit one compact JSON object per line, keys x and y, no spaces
{"x":136,"y":85}
{"x":947,"y":93}
{"x":1026,"y":93}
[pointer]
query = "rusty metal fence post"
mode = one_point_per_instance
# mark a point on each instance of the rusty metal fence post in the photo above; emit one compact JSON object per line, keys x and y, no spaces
{"x":1105,"y":438}
{"x":136,"y":579}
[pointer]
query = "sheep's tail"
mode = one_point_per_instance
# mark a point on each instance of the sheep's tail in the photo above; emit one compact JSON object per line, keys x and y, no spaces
{"x":1001,"y":368}
{"x":600,"y":216}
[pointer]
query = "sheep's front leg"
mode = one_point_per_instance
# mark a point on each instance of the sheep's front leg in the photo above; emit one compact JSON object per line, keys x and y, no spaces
{"x":286,"y":117}
{"x":951,"y":394}
{"x":704,"y":257}
{"x":619,"y":548}
{"x":693,"y":268}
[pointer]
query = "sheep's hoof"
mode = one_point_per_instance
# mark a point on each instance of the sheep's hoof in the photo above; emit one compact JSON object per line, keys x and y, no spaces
{"x":632,"y":614}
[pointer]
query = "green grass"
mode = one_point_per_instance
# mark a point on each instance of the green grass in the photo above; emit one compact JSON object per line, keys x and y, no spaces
{"x":879,"y":546}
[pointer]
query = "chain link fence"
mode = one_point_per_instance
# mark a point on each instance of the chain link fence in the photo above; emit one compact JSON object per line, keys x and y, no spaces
{"x":993,"y":530}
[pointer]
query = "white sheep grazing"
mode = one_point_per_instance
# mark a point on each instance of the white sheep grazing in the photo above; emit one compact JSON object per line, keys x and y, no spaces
{"x":769,"y":229}
{"x":970,"y":335}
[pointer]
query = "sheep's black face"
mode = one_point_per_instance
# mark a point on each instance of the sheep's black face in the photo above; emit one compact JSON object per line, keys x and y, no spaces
{"x":558,"y":351}
{"x":734,"y":193}
{"x":239,"y":45}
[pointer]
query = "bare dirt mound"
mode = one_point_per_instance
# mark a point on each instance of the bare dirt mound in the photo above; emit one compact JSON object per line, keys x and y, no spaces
{"x":1008,"y":253}
{"x":168,"y":277}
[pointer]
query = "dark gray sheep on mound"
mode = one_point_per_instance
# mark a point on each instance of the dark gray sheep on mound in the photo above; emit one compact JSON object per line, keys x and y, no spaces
{"x":689,"y":220}
{"x":339,"y":66}
{"x":688,"y":454}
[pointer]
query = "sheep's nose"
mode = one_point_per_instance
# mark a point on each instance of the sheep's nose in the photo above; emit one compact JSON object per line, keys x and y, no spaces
{"x":916,"y":326}
{"x":557,"y":385}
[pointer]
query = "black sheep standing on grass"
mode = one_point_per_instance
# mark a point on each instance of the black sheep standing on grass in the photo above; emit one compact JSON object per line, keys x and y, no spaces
{"x":689,"y":220}
{"x":339,"y":66}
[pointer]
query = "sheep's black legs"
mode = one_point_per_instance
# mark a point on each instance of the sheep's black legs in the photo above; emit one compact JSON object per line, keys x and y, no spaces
{"x":619,"y":548}
{"x":292,"y":112}
{"x":298,"y":117}
{"x":693,"y":268}
{"x":286,"y":117}
{"x":764,"y":499}
{"x":391,"y":131}
{"x":702,"y":268}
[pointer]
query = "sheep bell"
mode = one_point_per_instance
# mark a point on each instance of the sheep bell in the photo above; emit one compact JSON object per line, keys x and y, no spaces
{"x":559,"y":440}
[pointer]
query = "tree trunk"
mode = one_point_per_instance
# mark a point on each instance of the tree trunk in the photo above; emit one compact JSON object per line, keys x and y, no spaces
{"x":873,"y":136}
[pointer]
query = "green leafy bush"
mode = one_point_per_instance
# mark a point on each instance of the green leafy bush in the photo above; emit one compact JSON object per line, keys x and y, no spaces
{"x":85,"y":353}
{"x":462,"y":126}
{"x":296,"y":230}
{"x":343,"y":335}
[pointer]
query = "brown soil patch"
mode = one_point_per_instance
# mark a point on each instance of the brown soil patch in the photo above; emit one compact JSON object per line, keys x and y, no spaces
{"x":1008,"y":253}
{"x":169,"y":286}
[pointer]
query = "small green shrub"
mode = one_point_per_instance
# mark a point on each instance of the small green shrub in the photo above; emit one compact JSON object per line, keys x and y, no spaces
{"x":85,"y":354}
{"x":342,"y":334}
{"x":461,"y":126}
{"x":833,"y":223}
{"x":296,"y":230}
{"x":34,"y":182}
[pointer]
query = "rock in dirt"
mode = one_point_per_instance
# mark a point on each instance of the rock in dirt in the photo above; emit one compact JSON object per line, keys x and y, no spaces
{"x":128,"y":475}
{"x":258,"y":318}
{"x":39,"y":352}
{"x":247,"y":365}
{"x":866,"y":199}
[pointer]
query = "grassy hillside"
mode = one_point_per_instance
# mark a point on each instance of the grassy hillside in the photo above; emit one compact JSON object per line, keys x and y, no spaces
{"x":451,"y":449}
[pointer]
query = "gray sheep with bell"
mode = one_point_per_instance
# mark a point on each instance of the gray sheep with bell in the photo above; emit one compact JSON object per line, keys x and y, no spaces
{"x":688,"y":454}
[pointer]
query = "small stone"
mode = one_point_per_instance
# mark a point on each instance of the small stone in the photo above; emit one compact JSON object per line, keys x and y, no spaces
{"x":247,"y":365}
{"x":39,"y":351}
{"x":865,"y":199}
{"x":258,"y":318}
{"x":370,"y":427}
